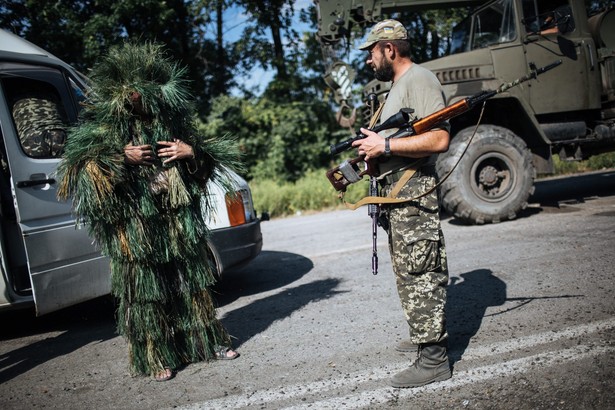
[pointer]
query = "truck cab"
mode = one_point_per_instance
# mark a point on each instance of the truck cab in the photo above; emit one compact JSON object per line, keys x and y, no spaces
{"x":566,"y":112}
{"x":47,"y":258}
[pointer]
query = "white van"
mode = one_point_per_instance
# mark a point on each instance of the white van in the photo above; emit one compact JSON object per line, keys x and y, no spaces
{"x":47,"y":260}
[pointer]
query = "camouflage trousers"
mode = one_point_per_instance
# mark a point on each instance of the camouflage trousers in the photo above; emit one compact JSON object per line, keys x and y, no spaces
{"x":418,"y":256}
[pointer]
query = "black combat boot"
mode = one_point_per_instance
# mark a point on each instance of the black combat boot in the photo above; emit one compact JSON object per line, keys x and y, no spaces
{"x":431,"y":366}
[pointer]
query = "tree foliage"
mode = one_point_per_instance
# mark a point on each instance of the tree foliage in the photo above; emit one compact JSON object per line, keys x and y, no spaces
{"x":80,"y":31}
{"x":284,"y":130}
{"x":278,"y":141}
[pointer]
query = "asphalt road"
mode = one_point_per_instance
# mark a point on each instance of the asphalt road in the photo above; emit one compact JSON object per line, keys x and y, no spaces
{"x":530,"y":309}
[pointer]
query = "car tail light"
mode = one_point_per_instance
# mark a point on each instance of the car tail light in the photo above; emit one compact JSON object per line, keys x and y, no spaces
{"x":239,"y":207}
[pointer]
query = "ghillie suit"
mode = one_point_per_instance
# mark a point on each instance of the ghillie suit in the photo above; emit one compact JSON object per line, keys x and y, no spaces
{"x":149,"y":219}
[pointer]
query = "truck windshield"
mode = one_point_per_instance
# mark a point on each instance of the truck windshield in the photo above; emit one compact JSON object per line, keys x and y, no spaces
{"x":493,"y":24}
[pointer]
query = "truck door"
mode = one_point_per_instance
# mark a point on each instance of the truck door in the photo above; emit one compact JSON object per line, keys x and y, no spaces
{"x":572,"y":86}
{"x":63,"y":265}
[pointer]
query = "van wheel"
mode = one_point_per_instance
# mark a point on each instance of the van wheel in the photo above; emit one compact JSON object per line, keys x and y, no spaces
{"x":214,"y":261}
{"x":494,"y":178}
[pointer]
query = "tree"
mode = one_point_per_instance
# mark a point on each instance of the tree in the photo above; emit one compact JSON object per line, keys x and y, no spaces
{"x":273,"y":18}
{"x":278,"y":141}
{"x":283,"y":132}
{"x":80,"y":31}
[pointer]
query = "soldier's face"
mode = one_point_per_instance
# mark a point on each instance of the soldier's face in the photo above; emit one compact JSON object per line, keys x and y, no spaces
{"x":380,"y":63}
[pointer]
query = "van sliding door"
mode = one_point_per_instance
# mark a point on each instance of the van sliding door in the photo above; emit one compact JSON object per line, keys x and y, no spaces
{"x":65,"y":268}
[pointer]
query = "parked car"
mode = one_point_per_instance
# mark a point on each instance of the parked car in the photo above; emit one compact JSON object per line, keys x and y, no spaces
{"x":46,"y":258}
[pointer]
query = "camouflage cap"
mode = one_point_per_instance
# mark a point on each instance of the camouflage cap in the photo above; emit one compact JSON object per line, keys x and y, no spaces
{"x":385,"y":30}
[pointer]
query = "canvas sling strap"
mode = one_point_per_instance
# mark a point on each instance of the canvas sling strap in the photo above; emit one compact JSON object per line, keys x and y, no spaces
{"x":408,"y":172}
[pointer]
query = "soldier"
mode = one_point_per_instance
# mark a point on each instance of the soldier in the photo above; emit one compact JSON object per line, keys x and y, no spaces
{"x":40,"y":120}
{"x":416,"y":242}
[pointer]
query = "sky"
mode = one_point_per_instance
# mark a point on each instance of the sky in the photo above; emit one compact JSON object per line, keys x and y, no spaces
{"x":234,"y":24}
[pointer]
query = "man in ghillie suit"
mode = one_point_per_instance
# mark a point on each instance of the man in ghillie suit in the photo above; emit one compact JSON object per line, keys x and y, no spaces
{"x":137,"y":170}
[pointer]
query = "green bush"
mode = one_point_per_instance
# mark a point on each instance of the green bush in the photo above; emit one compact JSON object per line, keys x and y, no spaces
{"x":602,"y":161}
{"x":595,"y":163}
{"x":278,"y":141}
{"x":312,"y":192}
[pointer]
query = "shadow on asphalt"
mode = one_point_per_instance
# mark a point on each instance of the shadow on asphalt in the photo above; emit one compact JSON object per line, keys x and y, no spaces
{"x":575,"y":188}
{"x":468,"y":300}
{"x":248,"y":321}
{"x":78,"y":326}
{"x":269,"y":271}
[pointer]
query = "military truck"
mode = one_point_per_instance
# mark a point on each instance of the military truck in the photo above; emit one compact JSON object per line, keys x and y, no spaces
{"x":569,"y":111}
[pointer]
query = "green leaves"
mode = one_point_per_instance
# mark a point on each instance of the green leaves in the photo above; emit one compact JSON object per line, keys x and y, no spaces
{"x":279,"y":141}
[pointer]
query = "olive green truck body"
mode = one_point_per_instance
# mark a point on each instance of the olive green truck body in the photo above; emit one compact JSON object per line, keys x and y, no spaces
{"x":569,"y":111}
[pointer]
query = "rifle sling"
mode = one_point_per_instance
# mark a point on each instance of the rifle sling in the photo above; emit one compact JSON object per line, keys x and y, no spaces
{"x":391,"y":198}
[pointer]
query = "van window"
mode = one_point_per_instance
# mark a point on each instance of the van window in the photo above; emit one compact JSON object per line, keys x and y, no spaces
{"x":39,"y":116}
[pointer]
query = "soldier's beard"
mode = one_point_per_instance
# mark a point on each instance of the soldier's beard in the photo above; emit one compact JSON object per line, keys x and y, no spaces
{"x":385,"y":71}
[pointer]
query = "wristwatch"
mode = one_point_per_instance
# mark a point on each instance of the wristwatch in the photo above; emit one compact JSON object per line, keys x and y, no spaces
{"x":387,"y":147}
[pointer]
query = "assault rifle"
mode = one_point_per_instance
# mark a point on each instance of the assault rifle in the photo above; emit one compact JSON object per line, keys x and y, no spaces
{"x":349,"y":172}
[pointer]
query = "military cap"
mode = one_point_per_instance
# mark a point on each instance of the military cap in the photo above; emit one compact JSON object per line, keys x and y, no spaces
{"x":385,"y":30}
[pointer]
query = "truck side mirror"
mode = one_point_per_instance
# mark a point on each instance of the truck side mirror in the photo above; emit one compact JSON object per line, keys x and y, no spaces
{"x":566,"y":47}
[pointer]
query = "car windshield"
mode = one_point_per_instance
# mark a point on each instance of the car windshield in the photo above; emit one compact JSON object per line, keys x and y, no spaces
{"x":490,"y":25}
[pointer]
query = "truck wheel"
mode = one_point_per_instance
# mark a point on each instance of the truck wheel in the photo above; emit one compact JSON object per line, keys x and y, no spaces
{"x":494,"y":178}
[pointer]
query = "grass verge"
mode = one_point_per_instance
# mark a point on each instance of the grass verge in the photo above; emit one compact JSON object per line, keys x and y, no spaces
{"x":313,"y":192}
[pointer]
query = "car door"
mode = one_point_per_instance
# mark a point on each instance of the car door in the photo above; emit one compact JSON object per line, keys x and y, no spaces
{"x":64,"y":266}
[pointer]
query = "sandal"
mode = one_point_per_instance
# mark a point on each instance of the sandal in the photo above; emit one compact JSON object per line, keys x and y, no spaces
{"x":221,"y":353}
{"x":164,"y":375}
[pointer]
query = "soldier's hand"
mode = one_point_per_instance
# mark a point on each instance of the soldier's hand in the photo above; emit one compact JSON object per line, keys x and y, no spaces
{"x":371,"y":146}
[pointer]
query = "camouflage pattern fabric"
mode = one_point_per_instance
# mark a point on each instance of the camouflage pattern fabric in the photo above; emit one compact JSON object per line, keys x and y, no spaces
{"x":40,"y":123}
{"x":418,"y":256}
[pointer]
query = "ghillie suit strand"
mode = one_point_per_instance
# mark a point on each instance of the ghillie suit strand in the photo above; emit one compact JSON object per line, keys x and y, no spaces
{"x":149,"y":220}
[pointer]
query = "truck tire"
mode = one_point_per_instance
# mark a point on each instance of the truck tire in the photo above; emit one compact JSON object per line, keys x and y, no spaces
{"x":494,"y":178}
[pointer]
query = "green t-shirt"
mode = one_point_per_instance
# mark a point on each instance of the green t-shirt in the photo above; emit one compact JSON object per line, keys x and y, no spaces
{"x":419,"y":89}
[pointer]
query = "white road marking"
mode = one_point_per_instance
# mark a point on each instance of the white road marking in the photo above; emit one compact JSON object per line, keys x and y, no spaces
{"x":480,"y":374}
{"x":384,"y":394}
